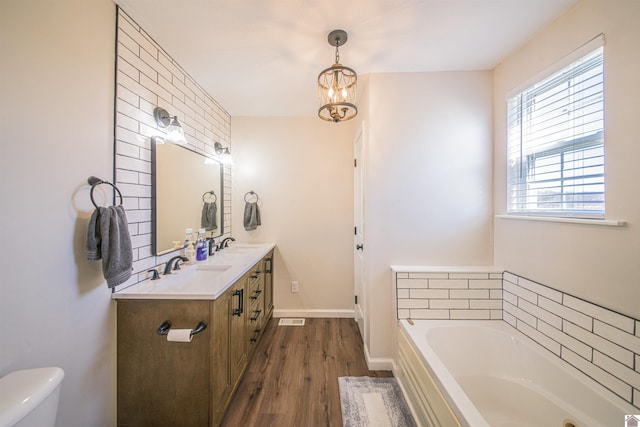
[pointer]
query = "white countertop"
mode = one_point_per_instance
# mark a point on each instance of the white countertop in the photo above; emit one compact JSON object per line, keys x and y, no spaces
{"x":203,"y":280}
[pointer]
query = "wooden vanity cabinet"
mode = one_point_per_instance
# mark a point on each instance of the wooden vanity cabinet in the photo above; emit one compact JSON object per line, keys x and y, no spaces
{"x":162,"y":383}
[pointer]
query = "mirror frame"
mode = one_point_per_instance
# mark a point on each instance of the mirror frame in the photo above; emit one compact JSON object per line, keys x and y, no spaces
{"x":154,"y":208}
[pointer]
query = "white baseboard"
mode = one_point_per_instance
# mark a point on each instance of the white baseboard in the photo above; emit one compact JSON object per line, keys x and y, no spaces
{"x":378,"y":363}
{"x":314,"y":313}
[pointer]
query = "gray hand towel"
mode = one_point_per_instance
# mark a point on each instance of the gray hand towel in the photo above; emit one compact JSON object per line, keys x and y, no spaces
{"x":251,"y":216}
{"x":94,"y":240}
{"x":208,"y":221}
{"x":108,"y":239}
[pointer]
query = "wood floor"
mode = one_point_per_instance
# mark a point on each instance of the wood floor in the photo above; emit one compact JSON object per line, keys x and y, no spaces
{"x":292,"y":379}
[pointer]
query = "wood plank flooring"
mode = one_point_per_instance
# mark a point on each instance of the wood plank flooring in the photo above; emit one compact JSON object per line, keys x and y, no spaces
{"x":292,"y":379}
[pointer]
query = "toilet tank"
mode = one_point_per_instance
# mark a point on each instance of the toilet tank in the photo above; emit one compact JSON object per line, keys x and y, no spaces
{"x":29,"y":398}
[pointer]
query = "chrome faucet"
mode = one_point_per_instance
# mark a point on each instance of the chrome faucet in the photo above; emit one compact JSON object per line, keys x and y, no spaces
{"x":174,"y":263}
{"x":225,"y":242}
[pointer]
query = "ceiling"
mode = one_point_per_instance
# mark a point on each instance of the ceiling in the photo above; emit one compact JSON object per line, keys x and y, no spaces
{"x":262,"y":57}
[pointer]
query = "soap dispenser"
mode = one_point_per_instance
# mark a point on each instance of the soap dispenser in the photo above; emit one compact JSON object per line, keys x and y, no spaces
{"x":201,"y":246}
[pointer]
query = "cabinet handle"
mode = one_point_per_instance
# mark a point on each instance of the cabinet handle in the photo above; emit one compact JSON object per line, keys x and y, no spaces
{"x":164,"y":328}
{"x":270,"y":269}
{"x":255,"y":295}
{"x":240,"y":294}
{"x":256,"y":315}
{"x":255,"y":335}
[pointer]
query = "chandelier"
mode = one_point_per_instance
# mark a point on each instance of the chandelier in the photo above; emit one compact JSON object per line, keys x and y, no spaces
{"x":337,"y":86}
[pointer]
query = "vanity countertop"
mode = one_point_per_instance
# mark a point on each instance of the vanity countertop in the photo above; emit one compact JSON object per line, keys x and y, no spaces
{"x":203,"y":280}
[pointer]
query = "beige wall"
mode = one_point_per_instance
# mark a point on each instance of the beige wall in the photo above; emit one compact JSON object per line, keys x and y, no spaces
{"x":599,"y":264}
{"x":57,"y":74}
{"x":428,"y":185}
{"x":302,"y":170}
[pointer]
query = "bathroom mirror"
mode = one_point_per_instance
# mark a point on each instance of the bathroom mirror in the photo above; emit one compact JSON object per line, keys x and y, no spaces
{"x":185,"y":185}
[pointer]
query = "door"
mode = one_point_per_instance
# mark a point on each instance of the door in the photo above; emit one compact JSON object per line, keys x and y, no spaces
{"x":358,"y":239}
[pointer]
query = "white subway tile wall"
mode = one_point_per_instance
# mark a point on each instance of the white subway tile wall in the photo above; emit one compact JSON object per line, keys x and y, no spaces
{"x":455,"y":295}
{"x":599,"y":342}
{"x":147,"y":77}
{"x":603,"y":344}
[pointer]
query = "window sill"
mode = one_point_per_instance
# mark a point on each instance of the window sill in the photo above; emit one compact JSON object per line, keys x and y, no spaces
{"x":601,"y":222}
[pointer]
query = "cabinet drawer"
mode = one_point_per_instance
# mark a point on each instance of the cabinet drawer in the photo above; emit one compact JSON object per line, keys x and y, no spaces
{"x":255,"y":276}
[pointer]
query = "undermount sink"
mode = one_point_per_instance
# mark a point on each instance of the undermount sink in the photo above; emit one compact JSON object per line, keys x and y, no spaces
{"x":213,"y":267}
{"x":238,"y":250}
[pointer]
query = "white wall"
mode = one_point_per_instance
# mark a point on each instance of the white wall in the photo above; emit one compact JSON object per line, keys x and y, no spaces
{"x":57,"y":129}
{"x":428,"y":181}
{"x":302,"y":170}
{"x":599,"y":264}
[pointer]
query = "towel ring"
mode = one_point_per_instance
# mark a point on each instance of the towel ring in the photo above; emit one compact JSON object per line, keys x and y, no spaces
{"x":249,"y":194}
{"x":94,"y":182}
{"x":215,"y":198}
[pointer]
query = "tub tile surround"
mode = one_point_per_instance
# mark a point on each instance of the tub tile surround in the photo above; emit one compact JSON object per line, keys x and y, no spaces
{"x":601,"y":343}
{"x":449,"y":295}
{"x":147,"y":77}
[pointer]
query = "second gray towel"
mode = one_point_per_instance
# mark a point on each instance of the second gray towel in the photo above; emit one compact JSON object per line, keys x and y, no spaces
{"x":208,"y":221}
{"x":251,"y":216}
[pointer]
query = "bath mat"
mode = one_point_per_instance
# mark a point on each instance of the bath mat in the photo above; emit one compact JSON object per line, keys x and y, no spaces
{"x":291,"y":322}
{"x":373,"y":402}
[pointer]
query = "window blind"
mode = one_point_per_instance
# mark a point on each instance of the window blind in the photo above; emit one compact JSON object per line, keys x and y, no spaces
{"x":555,"y":143}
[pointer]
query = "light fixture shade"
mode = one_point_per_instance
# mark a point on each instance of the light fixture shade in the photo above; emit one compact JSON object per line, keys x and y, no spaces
{"x":224,"y":153}
{"x":337,"y":86}
{"x":337,"y":91}
{"x":175,"y":132}
{"x":173,"y":129}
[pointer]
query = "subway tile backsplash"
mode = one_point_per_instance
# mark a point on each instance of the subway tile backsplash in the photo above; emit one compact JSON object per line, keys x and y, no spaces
{"x":449,"y":295}
{"x":603,"y":344}
{"x":147,"y":77}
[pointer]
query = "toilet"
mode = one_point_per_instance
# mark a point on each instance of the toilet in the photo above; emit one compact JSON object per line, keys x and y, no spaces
{"x":29,"y":398}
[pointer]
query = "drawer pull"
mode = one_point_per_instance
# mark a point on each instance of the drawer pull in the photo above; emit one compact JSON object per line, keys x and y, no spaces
{"x":255,"y":295}
{"x":240,"y":294}
{"x":256,"y":315}
{"x":164,"y":328}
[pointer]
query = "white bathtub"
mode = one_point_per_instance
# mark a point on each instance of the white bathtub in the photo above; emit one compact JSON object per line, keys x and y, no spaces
{"x":486,"y":373}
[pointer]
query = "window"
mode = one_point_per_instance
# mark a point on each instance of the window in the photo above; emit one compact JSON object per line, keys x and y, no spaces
{"x":555,"y":143}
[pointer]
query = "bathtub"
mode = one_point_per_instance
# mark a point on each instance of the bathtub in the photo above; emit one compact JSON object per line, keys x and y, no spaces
{"x":486,"y":373}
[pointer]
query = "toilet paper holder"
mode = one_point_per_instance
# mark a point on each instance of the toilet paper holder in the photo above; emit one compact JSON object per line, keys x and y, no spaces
{"x":166,"y":325}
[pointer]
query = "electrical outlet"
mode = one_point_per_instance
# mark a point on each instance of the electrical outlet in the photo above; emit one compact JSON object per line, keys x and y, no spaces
{"x":294,"y":287}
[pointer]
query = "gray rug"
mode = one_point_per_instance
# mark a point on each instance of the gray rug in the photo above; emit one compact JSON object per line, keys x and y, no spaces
{"x":373,"y":402}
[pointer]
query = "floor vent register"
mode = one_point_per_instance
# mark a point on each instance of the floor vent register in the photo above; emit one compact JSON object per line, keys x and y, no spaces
{"x":291,"y":322}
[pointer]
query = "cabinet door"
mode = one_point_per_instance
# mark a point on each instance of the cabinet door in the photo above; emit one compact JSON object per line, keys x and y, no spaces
{"x":220,"y":353}
{"x":162,"y":383}
{"x":238,"y":330}
{"x":268,"y":285}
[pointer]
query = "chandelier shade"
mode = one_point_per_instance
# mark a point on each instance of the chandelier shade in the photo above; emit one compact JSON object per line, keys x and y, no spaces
{"x":337,"y":86}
